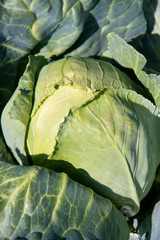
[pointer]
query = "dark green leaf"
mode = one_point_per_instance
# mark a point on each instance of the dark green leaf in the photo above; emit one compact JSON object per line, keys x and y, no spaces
{"x":36,"y":203}
{"x":4,"y":154}
{"x":122,"y":17}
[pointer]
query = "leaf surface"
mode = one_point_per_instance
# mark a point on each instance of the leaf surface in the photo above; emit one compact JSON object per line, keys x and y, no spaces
{"x":16,"y":114}
{"x":122,"y":17}
{"x":62,"y":85}
{"x":128,"y":57}
{"x":112,"y":139}
{"x":37,"y":203}
{"x":48,"y":27}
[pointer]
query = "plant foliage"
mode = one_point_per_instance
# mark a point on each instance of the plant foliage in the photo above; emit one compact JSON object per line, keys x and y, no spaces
{"x":80,"y":119}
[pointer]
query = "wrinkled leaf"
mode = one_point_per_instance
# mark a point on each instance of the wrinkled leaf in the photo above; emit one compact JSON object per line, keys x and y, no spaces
{"x":25,"y":23}
{"x":54,"y":25}
{"x":37,"y":203}
{"x":123,"y":17}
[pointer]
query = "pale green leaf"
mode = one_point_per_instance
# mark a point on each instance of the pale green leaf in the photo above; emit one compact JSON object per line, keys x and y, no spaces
{"x":113,"y":139}
{"x":62,"y":85}
{"x":128,"y":57}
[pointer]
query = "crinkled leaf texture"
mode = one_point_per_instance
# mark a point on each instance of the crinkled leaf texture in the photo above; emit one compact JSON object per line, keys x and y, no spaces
{"x":123,"y":17}
{"x":51,"y":28}
{"x":26,"y":23}
{"x":56,"y":25}
{"x":36,"y":203}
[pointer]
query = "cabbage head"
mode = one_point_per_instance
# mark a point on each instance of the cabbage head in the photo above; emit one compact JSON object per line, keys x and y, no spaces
{"x":89,"y":119}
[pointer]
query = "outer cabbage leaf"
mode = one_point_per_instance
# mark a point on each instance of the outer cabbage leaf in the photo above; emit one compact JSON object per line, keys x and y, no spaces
{"x":50,"y":28}
{"x":54,"y":25}
{"x":58,"y":24}
{"x":26,"y":23}
{"x":17,"y":111}
{"x":37,"y":203}
{"x":128,"y":57}
{"x":123,"y":17}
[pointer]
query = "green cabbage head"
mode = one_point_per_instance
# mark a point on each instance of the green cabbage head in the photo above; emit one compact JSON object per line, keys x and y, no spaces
{"x":86,"y":117}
